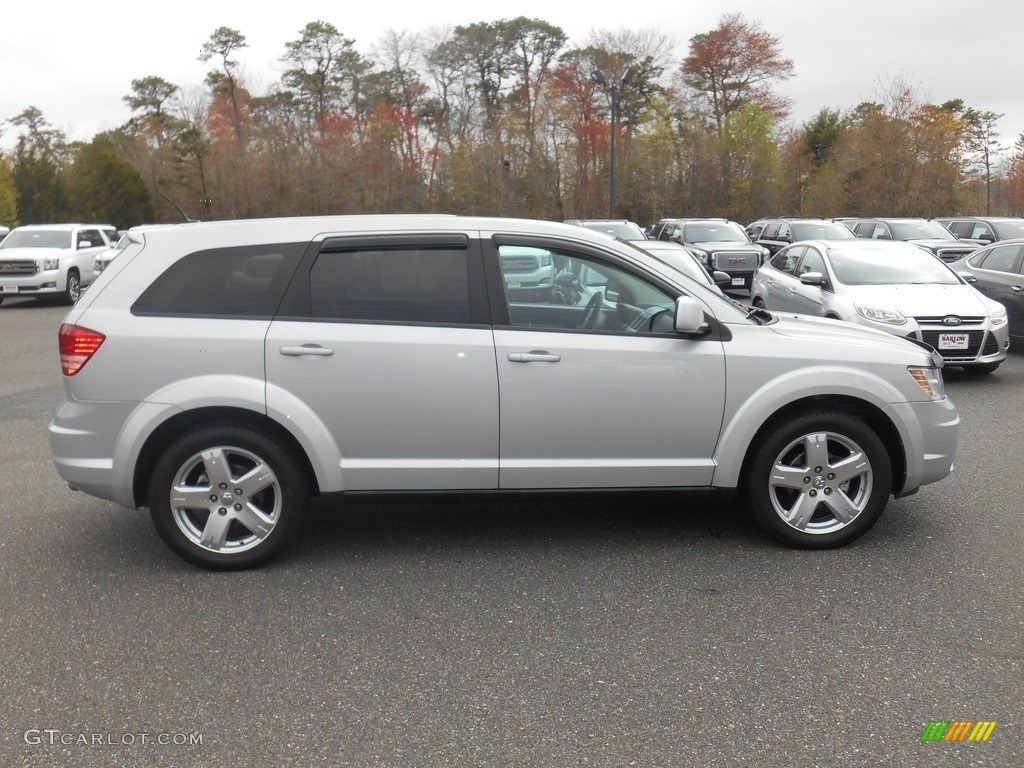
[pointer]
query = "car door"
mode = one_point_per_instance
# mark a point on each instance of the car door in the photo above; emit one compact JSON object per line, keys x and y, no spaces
{"x":89,"y":243}
{"x":997,"y":274}
{"x":781,"y":282}
{"x":386,"y":342}
{"x":596,"y":390}
{"x":806,"y":298}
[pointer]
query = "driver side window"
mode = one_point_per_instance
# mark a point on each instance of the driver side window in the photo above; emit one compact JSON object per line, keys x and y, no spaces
{"x":579,"y":293}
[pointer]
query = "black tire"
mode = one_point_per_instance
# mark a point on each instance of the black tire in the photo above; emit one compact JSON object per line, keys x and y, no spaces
{"x":73,"y":289}
{"x":241,"y":517}
{"x":827,"y":502}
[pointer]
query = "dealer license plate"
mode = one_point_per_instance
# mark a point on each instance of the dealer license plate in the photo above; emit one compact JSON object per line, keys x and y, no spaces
{"x":10,"y":289}
{"x":953,"y":340}
{"x":738,"y":281}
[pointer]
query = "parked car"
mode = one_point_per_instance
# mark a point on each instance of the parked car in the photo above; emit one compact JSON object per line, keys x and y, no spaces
{"x":51,"y":259}
{"x":984,"y":230}
{"x":621,"y":228}
{"x":681,"y":260}
{"x":718,"y":244}
{"x":892,"y":286}
{"x":998,"y":272}
{"x":924,"y":233}
{"x":221,"y":373}
{"x":775,"y":234}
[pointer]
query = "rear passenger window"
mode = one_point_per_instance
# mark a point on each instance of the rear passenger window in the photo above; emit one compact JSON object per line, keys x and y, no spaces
{"x":400,"y":284}
{"x":247,"y":281}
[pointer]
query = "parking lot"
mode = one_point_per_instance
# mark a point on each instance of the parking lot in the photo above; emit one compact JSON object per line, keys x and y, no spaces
{"x":647,"y":629}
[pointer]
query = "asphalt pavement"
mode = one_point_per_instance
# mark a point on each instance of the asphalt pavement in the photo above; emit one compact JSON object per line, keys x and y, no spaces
{"x":649,"y":629}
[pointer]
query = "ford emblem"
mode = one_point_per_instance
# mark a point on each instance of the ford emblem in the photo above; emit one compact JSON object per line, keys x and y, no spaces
{"x":951,"y":320}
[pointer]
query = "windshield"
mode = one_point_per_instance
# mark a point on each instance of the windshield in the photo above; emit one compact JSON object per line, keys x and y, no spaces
{"x":888,"y":267}
{"x":825,"y":230}
{"x":627,"y":230}
{"x":37,"y":238}
{"x":680,"y":260}
{"x":920,"y":230}
{"x":719,"y":232}
{"x":1008,"y":230}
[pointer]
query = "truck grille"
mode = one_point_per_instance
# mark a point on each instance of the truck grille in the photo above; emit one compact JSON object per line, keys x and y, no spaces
{"x":953,"y":254}
{"x":734,"y":261}
{"x":17,"y":268}
{"x":519,"y":263}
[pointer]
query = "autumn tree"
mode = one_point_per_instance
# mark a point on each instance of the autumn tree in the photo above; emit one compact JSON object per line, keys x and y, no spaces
{"x":734,"y":64}
{"x":1015,"y":178}
{"x":150,"y":97}
{"x":223,"y":44}
{"x":983,"y":146}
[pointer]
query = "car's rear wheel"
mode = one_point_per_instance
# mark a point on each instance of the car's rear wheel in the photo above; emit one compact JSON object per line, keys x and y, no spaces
{"x":227,"y":497}
{"x":819,"y":480}
{"x":73,"y":289}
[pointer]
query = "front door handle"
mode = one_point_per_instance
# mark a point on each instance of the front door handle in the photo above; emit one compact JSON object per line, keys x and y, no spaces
{"x":533,"y":356}
{"x":307,"y":349}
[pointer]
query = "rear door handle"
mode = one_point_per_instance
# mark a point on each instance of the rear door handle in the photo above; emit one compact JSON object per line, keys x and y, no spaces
{"x":307,"y":349}
{"x":533,"y":356}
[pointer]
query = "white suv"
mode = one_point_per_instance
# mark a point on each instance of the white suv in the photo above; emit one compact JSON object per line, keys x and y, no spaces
{"x":221,"y":373}
{"x":49,"y":259}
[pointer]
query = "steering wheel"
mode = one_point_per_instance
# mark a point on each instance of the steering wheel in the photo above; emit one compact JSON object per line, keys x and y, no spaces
{"x":591,"y":312}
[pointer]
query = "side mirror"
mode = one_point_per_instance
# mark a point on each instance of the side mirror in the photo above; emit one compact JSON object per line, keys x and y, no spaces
{"x":721,"y":278}
{"x":84,"y":244}
{"x":812,"y":278}
{"x":690,"y":317}
{"x":967,"y":277}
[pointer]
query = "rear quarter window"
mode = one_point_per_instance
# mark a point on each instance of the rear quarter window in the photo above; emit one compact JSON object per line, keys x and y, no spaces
{"x":246,"y":281}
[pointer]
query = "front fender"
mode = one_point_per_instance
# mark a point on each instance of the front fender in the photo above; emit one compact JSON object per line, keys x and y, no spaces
{"x":779,"y":392}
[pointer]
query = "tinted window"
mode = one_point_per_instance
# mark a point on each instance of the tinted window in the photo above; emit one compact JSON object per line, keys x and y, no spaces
{"x":785,"y":261}
{"x":812,"y":262}
{"x":826,"y":230}
{"x":999,"y":259}
{"x":236,"y":282}
{"x":400,"y":284}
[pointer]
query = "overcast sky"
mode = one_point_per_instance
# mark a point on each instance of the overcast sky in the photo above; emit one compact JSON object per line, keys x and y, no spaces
{"x":75,"y":61}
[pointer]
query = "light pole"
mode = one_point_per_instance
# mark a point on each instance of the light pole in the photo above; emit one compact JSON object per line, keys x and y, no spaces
{"x":613,"y":91}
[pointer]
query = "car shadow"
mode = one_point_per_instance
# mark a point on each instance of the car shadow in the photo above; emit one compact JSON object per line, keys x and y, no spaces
{"x":343,"y":526}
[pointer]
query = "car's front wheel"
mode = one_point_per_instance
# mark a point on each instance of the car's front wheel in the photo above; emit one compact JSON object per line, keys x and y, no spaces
{"x":227,"y":497}
{"x":73,"y":289}
{"x":819,"y":480}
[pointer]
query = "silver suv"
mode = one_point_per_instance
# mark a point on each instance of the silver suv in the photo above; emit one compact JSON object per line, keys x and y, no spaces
{"x":222,"y":373}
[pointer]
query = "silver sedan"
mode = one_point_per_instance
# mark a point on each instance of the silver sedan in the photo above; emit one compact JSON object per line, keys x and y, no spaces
{"x":888,"y":285}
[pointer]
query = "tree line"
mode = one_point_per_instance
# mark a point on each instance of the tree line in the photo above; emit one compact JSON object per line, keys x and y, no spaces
{"x":508,"y":118}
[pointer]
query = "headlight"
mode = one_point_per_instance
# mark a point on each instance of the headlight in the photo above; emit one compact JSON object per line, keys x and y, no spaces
{"x":701,"y":256}
{"x":51,"y":264}
{"x":887,"y":316}
{"x":997,"y":315}
{"x":929,"y":380}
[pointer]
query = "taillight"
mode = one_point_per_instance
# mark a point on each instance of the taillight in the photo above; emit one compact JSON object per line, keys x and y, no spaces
{"x":77,"y":346}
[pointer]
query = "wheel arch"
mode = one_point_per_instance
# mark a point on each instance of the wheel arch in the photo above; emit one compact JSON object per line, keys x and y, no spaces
{"x":185,"y":421}
{"x":872,"y":416}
